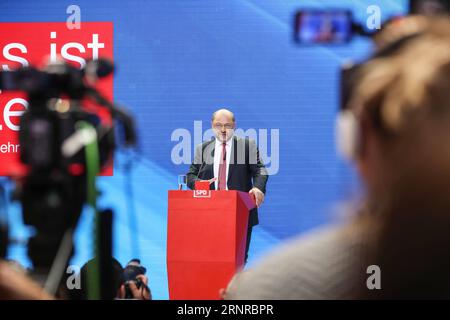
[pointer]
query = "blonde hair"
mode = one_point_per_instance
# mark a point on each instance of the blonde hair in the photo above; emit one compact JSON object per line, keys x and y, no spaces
{"x":415,"y":79}
{"x":405,"y":95}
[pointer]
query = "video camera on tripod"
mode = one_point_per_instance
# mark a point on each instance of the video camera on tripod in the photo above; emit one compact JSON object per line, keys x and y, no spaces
{"x":55,"y":132}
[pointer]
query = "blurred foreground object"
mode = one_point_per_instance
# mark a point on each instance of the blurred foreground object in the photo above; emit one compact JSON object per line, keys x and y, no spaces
{"x":398,"y":245}
{"x":16,"y":285}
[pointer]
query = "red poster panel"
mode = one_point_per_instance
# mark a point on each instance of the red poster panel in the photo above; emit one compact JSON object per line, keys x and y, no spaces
{"x":23,"y":44}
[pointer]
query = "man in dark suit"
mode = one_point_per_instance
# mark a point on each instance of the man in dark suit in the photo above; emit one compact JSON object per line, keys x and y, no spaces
{"x":230,"y":163}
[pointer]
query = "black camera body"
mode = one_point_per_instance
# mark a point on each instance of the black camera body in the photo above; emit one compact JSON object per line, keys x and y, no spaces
{"x":49,"y":121}
{"x":43,"y":133}
{"x":130,"y":273}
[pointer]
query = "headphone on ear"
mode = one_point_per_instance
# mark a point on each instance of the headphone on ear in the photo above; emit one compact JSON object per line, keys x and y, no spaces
{"x":347,"y":126}
{"x":348,"y":135}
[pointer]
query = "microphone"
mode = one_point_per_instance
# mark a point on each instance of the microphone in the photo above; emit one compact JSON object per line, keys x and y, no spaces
{"x":204,"y":161}
{"x":203,"y":165}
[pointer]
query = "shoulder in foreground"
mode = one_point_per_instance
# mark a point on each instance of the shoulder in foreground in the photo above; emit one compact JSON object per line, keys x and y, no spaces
{"x":313,"y":266}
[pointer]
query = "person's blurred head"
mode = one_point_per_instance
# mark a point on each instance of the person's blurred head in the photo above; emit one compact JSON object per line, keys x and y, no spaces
{"x":402,"y":106}
{"x":86,"y":278}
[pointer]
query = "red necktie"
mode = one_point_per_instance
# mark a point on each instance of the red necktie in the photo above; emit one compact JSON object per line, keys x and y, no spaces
{"x":223,"y":169}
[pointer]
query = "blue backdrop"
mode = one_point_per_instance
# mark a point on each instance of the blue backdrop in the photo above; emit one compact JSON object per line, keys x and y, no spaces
{"x":178,"y":61}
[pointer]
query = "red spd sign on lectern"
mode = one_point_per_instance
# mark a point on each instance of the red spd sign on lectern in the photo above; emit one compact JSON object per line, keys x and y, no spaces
{"x":206,"y":238}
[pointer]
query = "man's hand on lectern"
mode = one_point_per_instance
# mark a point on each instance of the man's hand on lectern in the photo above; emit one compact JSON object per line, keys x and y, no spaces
{"x":259,"y":196}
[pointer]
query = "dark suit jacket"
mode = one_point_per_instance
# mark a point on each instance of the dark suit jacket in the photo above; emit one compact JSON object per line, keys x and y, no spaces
{"x":245,"y":171}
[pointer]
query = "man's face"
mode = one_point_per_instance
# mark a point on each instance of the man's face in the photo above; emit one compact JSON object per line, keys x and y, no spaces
{"x":223,"y":127}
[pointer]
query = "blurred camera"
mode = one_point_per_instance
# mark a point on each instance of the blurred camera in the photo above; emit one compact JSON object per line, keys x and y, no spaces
{"x":64,"y":143}
{"x":130,"y":273}
{"x":323,"y":26}
{"x":338,"y":26}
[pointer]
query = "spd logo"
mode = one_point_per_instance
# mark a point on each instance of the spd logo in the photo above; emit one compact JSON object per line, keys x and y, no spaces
{"x":202,"y":193}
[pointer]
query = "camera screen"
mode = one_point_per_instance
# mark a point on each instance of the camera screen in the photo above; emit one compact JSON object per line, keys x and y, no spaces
{"x":323,"y":27}
{"x":429,"y":7}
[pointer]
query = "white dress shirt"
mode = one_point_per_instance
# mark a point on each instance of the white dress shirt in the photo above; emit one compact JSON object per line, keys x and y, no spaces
{"x":218,"y":156}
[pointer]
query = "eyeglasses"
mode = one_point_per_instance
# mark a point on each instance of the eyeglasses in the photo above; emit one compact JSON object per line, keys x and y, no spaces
{"x":219,"y":126}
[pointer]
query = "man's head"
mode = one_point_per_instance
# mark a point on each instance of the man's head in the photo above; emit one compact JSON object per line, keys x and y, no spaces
{"x":223,"y":124}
